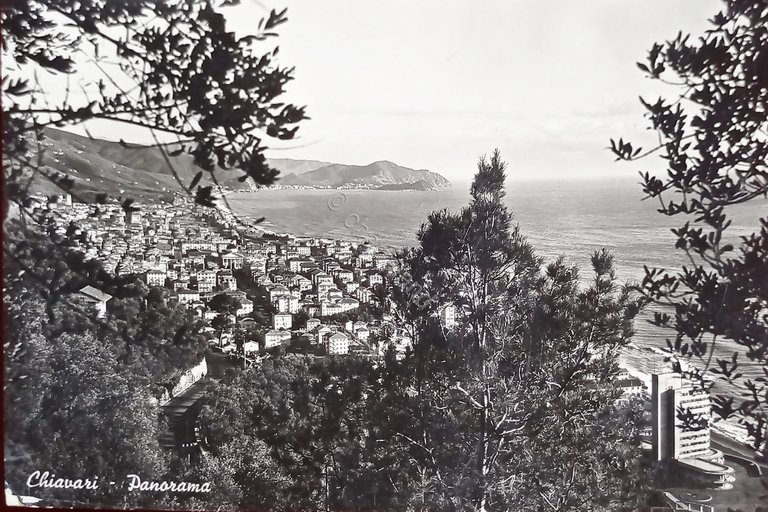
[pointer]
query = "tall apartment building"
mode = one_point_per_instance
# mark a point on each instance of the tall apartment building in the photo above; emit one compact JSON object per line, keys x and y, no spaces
{"x":692,"y":443}
{"x":671,"y":394}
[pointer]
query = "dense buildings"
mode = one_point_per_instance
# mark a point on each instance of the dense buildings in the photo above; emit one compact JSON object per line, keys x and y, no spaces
{"x":195,"y":253}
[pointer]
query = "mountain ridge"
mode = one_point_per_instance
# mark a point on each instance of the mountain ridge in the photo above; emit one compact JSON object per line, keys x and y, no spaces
{"x":381,"y":174}
{"x":99,"y":166}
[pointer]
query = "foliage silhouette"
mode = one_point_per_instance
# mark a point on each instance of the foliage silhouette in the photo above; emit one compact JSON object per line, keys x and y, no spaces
{"x":712,"y":138}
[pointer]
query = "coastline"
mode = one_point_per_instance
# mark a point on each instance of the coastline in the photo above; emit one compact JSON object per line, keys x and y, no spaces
{"x":735,"y":433}
{"x":369,"y":189}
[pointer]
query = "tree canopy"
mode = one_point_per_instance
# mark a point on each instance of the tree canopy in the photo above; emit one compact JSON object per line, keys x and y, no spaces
{"x":508,"y":403}
{"x":512,"y":408}
{"x":712,"y":138}
{"x":81,"y":391}
{"x":172,"y":67}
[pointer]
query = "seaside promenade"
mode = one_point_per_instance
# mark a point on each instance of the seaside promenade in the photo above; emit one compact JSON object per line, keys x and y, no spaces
{"x":733,"y":447}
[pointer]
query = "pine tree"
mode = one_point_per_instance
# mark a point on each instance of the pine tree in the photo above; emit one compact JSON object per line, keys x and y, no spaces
{"x":513,"y":408}
{"x":526,"y":372}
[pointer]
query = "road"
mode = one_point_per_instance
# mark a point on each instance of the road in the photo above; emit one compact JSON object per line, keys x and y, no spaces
{"x":182,"y":416}
{"x":732,"y":447}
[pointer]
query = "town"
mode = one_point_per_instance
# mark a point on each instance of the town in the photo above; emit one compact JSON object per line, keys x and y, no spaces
{"x":262,"y":295}
{"x":258,"y":292}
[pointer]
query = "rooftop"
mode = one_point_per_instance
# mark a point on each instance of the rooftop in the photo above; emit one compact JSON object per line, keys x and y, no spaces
{"x":95,"y":293}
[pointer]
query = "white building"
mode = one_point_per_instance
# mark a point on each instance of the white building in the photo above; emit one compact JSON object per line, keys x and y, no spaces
{"x":206,"y":276}
{"x":246,"y":307}
{"x":278,"y":291}
{"x":363,"y":295}
{"x":155,"y":278}
{"x":199,"y":245}
{"x":294,"y":264}
{"x":274,"y":338}
{"x":448,"y":316}
{"x":686,"y":447}
{"x":400,"y":343}
{"x":288,"y":304}
{"x":204,"y":287}
{"x":232,"y":260}
{"x":96,"y":298}
{"x":323,"y":289}
{"x":348,"y":304}
{"x":629,"y":386}
{"x":282,"y":321}
{"x":344,"y":275}
{"x":338,"y":344}
{"x":226,"y":280}
{"x":322,"y":332}
{"x":670,"y":394}
{"x":250,"y":347}
{"x":692,"y":443}
{"x":301,"y":283}
{"x":382,"y":263}
{"x":257,"y":264}
{"x":329,"y":308}
{"x":187,"y":296}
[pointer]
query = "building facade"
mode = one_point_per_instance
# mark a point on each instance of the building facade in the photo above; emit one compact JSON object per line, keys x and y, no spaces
{"x":672,"y":395}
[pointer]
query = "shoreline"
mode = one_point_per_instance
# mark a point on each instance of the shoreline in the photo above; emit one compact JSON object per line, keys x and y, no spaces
{"x":734,"y":433}
{"x":367,"y":189}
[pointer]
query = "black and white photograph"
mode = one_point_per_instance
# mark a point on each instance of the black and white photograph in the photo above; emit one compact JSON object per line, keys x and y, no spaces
{"x":412,"y":256}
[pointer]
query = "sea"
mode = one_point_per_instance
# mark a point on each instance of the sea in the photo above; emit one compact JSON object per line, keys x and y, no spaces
{"x":568,"y":217}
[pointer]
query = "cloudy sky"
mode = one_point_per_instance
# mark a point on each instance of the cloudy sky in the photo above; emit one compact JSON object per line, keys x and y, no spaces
{"x":435,"y":83}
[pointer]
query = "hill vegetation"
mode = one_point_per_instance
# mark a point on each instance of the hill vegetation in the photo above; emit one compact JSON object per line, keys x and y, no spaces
{"x":142,"y":172}
{"x":383,"y":175}
{"x":291,"y":166}
{"x":99,"y":166}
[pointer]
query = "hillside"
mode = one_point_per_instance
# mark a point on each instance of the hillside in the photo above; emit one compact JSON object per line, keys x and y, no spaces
{"x":141,"y":172}
{"x":290,"y":166}
{"x":382,"y":175}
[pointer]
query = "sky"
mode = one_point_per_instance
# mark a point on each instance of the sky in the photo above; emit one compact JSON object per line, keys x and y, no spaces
{"x":434,"y":84}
